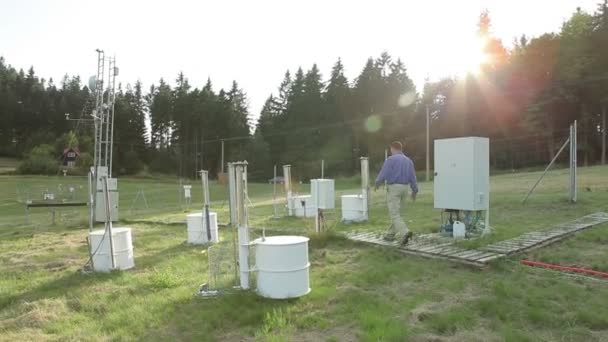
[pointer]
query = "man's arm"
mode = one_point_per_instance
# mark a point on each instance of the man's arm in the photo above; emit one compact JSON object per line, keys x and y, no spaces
{"x":412,"y":179}
{"x":383,"y":173}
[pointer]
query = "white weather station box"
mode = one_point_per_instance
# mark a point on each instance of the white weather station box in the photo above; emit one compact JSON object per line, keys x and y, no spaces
{"x":462,"y":173}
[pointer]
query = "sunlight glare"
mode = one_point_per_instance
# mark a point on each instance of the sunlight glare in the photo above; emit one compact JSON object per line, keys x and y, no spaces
{"x":471,"y":57}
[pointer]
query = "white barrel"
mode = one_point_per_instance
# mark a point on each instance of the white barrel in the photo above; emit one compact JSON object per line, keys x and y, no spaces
{"x":123,"y":249}
{"x":323,"y":192}
{"x":353,"y":208}
{"x":303,"y":206}
{"x":197,"y":228}
{"x":282,"y":266}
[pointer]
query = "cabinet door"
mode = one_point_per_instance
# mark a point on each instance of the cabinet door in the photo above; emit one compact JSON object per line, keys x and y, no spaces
{"x":482,"y":173}
{"x":454,"y":174}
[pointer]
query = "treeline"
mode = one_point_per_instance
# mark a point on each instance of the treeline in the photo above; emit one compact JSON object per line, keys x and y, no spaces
{"x":523,"y":98}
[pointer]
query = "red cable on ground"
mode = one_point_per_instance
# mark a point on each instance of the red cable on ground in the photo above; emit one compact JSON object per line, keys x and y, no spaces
{"x":564,"y":268}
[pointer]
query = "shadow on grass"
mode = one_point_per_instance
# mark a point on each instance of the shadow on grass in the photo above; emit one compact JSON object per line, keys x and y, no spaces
{"x":60,"y":286}
{"x":77,"y":280}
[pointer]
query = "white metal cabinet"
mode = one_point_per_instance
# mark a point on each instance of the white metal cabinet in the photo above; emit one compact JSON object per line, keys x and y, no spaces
{"x":462,"y":173}
{"x":100,"y":206}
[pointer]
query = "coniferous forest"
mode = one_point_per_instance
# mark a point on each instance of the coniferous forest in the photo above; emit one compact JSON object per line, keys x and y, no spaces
{"x":523,"y":98}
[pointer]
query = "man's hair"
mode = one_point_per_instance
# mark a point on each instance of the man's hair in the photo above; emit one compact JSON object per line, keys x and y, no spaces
{"x":397,"y":145}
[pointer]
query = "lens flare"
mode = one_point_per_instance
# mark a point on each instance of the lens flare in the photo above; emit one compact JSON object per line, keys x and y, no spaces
{"x":406,"y":99}
{"x":373,"y":123}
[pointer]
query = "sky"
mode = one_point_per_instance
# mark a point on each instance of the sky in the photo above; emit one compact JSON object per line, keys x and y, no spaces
{"x":254,"y":42}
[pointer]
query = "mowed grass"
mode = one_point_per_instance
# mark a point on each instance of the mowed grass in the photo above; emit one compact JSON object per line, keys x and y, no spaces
{"x":359,"y":292}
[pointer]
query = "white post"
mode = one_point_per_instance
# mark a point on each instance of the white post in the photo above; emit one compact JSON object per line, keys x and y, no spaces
{"x":365,"y":185}
{"x":232,"y":194}
{"x":274,"y":191}
{"x":243,"y":229}
{"x":287,"y":181}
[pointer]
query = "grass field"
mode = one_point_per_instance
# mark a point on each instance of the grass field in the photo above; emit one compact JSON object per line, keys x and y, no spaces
{"x":359,"y":292}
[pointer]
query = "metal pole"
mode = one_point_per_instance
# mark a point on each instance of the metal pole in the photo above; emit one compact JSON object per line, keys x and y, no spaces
{"x":109,"y":219}
{"x":365,"y":185}
{"x":315,"y":190}
{"x":428,"y":151}
{"x":92,"y":193}
{"x":604,"y":129}
{"x":322,"y":168}
{"x":232,"y":194}
{"x":205,"y":184}
{"x":570,"y":166}
{"x":546,"y":169}
{"x":111,"y":113}
{"x":274,"y":192}
{"x":222,"y":155}
{"x":385,"y":158}
{"x":574,"y":195}
{"x":243,"y":230}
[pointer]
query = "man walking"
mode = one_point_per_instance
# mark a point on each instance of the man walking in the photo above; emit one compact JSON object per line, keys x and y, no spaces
{"x":398,"y":172}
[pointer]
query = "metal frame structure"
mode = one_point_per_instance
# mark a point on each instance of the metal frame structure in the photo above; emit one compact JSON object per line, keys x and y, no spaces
{"x":103,"y":118}
{"x":572,"y":141}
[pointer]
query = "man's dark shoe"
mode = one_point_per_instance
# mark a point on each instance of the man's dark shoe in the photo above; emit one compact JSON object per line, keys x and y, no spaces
{"x":406,"y":238}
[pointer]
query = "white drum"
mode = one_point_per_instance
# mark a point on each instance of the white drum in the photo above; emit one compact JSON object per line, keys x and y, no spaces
{"x":197,"y":228}
{"x":282,"y":266}
{"x":123,"y":249}
{"x":353,"y":208}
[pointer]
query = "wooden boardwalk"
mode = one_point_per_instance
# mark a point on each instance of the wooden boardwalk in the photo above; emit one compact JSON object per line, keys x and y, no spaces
{"x":439,"y":247}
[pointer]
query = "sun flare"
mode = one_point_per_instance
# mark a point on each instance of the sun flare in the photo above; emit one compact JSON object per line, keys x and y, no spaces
{"x":470,"y":57}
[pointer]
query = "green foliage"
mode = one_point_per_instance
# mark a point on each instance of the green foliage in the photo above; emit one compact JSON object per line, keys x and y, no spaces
{"x":40,"y":161}
{"x":523,"y":99}
{"x":84,"y":162}
{"x":163,"y":280}
{"x":66,"y":140}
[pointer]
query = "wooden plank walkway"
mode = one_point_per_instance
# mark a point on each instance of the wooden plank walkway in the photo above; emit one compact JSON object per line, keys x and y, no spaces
{"x":440,"y":247}
{"x":431,"y":246}
{"x":533,"y":240}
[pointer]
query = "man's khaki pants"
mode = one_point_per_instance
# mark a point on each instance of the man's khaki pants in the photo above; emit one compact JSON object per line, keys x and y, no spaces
{"x":395,"y":200}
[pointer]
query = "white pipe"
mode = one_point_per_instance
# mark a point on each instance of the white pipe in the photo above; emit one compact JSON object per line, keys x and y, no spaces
{"x":243,"y":230}
{"x":365,"y":186}
{"x":232,"y":194}
{"x":274,"y":191}
{"x":287,"y":181}
{"x":205,"y":184}
{"x":316,"y":191}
